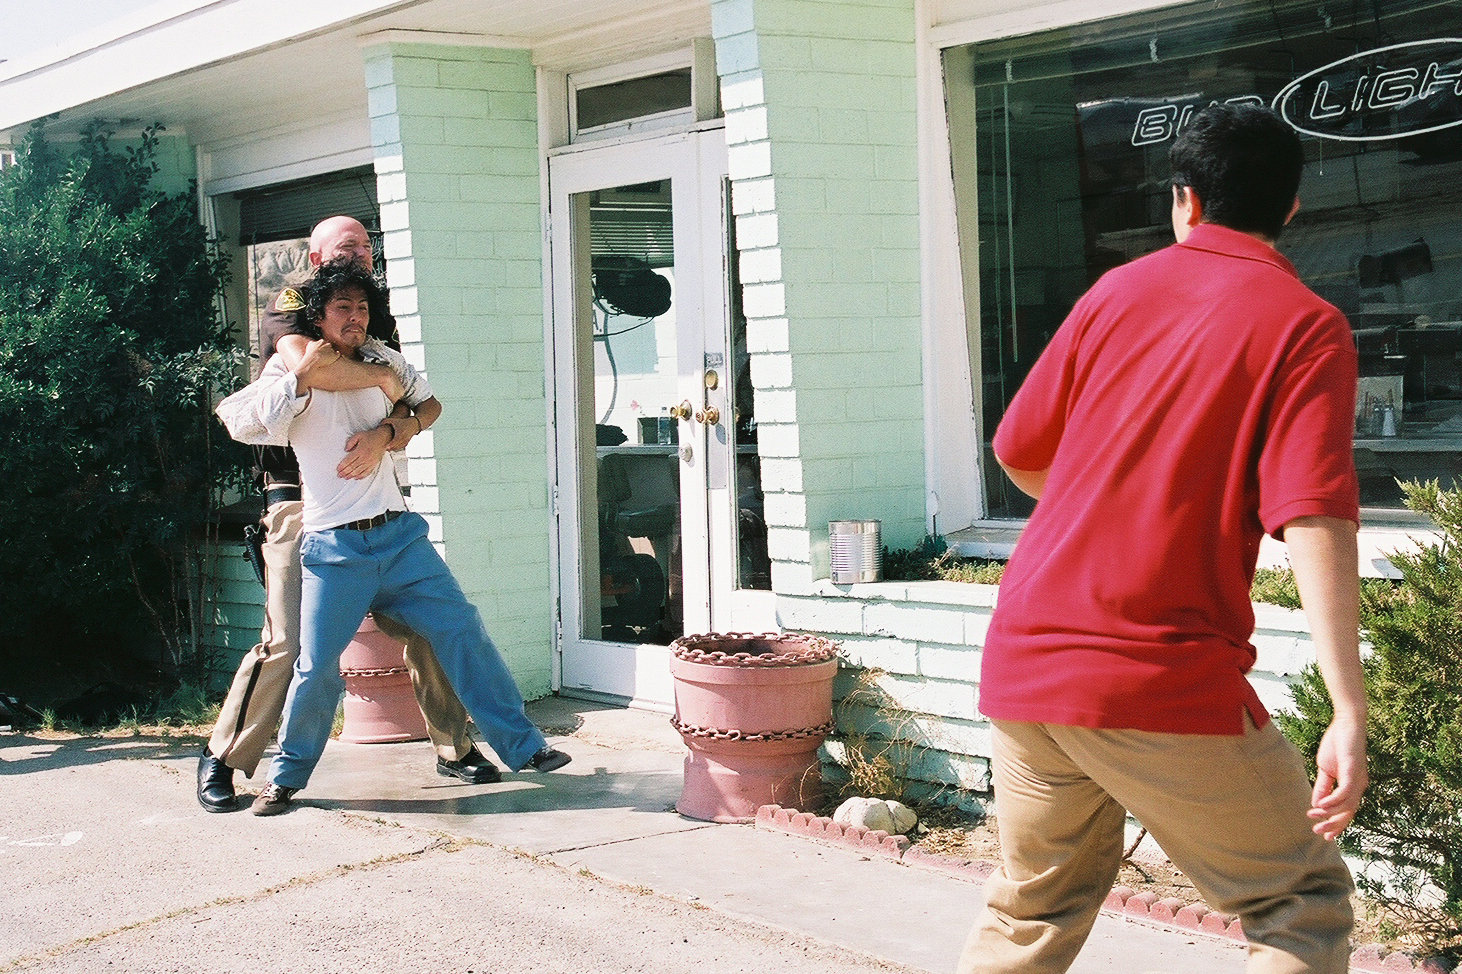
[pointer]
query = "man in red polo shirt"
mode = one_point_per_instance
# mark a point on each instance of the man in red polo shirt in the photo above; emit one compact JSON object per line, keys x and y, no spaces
{"x":1194,"y":400}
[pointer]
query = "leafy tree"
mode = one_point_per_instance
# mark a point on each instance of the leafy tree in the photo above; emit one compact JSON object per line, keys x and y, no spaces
{"x":111,"y":351}
{"x":1410,"y":822}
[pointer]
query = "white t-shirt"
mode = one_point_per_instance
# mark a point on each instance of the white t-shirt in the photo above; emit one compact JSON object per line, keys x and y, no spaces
{"x":319,"y":424}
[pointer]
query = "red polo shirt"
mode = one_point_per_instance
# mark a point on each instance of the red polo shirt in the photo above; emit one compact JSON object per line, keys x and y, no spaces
{"x":1193,"y":400}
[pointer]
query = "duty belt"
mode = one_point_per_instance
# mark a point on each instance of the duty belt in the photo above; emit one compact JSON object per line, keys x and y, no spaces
{"x":279,"y":494}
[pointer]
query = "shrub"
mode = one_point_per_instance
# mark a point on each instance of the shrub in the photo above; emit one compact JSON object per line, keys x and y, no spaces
{"x":111,"y":353}
{"x":1410,"y":822}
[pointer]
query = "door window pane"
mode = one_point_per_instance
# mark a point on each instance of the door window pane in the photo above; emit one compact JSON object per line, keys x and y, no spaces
{"x":1066,"y":140}
{"x":632,"y":584}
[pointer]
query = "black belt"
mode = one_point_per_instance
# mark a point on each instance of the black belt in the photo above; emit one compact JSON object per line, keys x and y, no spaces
{"x":279,"y":493}
{"x":365,"y":524}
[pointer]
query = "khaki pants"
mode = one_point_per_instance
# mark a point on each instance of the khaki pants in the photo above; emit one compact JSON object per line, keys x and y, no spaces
{"x":251,"y":711}
{"x":1228,"y":810}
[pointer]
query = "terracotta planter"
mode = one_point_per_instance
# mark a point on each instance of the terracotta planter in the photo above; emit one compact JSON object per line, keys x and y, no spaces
{"x":753,"y":711}
{"x":380,"y":706}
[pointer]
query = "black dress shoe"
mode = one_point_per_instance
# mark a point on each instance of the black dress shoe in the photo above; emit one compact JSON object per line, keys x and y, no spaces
{"x":472,"y":768}
{"x":215,"y":784}
{"x":548,"y":759}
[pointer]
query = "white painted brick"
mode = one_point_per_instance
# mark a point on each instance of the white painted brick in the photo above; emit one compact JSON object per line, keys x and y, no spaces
{"x":389,"y":159}
{"x":776,"y":406}
{"x":742,"y":93}
{"x":759,"y":266}
{"x":426,"y":500}
{"x":792,"y":577}
{"x":408,"y":329}
{"x":788,"y":544}
{"x":745,"y":125}
{"x":771,"y":371}
{"x":962,"y":771}
{"x":779,"y":474}
{"x":1284,"y":655}
{"x":401,"y":273}
{"x":835,"y":617}
{"x":397,"y":244}
{"x":416,"y":355}
{"x":404,"y":301}
{"x":890,"y":655}
{"x":922,"y":624}
{"x":749,"y":161}
{"x":753,"y":196}
{"x":424,"y":471}
{"x":395,"y":216}
{"x":768,"y":335}
{"x":977,"y":627}
{"x":756,"y":230}
{"x":777,"y":440}
{"x":924,"y":696}
{"x":391,"y":187}
{"x":423,"y":444}
{"x":786,"y":510}
{"x":1274,"y":691}
{"x":433,"y":527}
{"x":959,"y":736}
{"x":949,"y":663}
{"x":764,"y":300}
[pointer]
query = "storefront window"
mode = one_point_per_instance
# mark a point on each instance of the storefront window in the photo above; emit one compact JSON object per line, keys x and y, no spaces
{"x":1060,"y":145}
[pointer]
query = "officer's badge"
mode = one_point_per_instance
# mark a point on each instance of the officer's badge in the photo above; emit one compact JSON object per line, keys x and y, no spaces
{"x":289,"y":300}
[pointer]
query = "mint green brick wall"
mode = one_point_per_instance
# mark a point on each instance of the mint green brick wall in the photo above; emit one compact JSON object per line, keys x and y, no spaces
{"x":819,"y":98}
{"x":456,"y":145}
{"x":177,"y":164}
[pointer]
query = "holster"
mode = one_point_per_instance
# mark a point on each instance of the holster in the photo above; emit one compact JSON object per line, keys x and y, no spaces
{"x":254,"y":548}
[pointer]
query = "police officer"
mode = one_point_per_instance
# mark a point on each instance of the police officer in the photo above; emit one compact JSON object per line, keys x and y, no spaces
{"x":251,"y":711}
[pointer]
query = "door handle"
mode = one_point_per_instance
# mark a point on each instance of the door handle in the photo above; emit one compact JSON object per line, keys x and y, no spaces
{"x":683,"y":411}
{"x":710,"y":416}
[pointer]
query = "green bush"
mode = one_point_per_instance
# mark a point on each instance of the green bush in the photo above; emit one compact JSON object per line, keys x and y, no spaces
{"x":111,"y":352}
{"x":1410,"y":821}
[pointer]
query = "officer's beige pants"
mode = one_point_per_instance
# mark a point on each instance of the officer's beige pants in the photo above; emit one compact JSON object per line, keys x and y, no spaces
{"x":251,"y":712}
{"x":1228,"y":810}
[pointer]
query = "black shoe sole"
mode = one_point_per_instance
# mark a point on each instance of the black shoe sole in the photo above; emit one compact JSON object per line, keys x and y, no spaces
{"x":232,"y":806}
{"x":492,"y":778}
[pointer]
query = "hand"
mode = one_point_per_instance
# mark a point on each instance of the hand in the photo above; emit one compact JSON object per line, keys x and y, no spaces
{"x":1341,"y":779}
{"x":317,"y":353}
{"x":363,"y":453}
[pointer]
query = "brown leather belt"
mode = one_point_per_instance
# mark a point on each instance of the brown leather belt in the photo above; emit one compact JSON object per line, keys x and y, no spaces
{"x":365,"y":524}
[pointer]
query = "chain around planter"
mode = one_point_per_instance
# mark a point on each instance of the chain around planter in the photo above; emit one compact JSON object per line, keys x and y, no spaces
{"x":698,"y":649}
{"x":387,"y":671}
{"x":721,"y":734}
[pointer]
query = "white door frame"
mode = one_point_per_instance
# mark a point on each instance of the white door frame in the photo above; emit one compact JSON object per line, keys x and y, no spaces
{"x":695,"y":163}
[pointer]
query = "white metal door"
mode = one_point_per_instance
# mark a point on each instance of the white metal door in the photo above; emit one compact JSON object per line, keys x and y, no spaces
{"x":639,"y":309}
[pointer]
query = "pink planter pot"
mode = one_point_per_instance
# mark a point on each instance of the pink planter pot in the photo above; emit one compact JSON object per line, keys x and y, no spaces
{"x":380,"y":706}
{"x":753,"y":711}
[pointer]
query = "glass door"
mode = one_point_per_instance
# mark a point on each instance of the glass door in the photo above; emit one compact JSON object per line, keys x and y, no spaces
{"x":639,"y":292}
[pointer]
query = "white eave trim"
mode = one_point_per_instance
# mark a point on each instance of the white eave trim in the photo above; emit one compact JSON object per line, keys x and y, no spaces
{"x":161,"y":41}
{"x":444,"y":37}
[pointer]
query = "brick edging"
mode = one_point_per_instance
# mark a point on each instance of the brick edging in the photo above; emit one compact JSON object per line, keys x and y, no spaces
{"x":1122,"y":900}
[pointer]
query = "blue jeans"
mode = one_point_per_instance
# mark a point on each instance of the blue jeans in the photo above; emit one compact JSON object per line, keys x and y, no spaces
{"x":392,"y":568}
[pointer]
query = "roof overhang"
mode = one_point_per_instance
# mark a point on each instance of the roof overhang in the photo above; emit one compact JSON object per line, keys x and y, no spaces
{"x":225,"y":71}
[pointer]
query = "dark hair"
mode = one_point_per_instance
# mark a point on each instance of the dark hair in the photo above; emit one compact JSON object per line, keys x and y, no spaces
{"x":332,"y":277}
{"x":1245,"y":162}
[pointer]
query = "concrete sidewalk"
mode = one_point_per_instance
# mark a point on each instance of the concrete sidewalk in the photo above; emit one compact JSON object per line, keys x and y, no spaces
{"x":110,"y":864}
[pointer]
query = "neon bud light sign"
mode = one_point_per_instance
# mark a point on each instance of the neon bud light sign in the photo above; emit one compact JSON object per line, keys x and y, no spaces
{"x":1387,"y":93}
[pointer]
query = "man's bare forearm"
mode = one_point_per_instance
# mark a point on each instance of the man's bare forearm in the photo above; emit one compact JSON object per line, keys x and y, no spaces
{"x":407,"y":422}
{"x":1323,"y":553}
{"x":342,"y":374}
